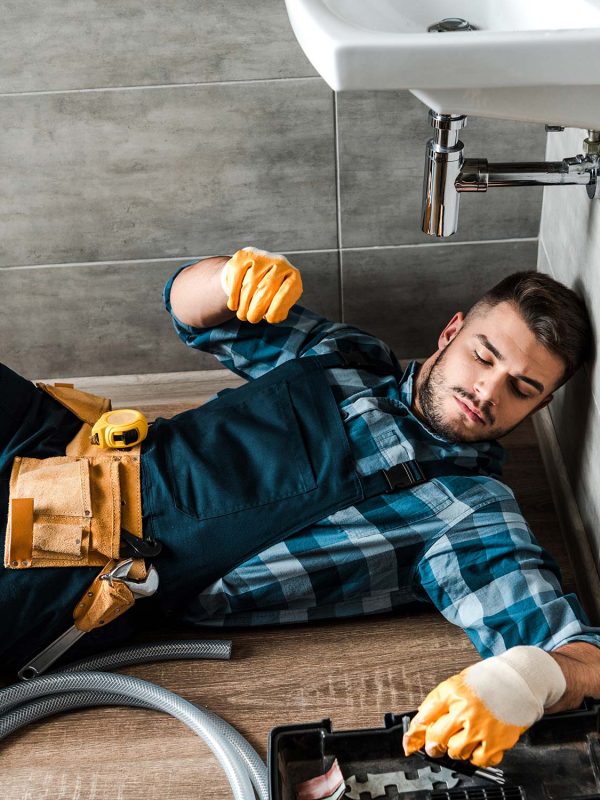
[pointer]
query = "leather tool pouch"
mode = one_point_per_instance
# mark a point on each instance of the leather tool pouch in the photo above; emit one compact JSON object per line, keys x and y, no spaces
{"x":75,"y":515}
{"x":68,"y":511}
{"x":103,"y":602}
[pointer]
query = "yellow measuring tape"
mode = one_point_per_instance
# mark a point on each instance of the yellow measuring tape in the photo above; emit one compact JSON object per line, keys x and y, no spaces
{"x":123,"y":427}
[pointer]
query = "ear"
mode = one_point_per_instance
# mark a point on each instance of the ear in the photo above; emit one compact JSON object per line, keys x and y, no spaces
{"x":451,"y":329}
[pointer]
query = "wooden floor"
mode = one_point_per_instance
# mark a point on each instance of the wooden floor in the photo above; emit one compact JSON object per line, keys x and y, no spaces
{"x":352,"y":671}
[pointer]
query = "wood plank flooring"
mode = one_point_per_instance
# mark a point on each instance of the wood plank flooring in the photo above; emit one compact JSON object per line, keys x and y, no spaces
{"x":352,"y":671}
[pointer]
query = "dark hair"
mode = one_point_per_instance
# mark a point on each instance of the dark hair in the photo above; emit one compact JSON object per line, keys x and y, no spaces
{"x":553,"y":313}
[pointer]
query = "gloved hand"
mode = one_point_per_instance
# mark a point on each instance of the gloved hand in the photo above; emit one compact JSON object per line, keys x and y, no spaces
{"x":260,"y":284}
{"x":481,"y":712}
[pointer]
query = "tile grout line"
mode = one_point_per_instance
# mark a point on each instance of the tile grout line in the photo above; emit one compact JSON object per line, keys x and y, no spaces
{"x":444,"y":243}
{"x":136,"y":87}
{"x":175,"y":259}
{"x":338,"y":207}
{"x":168,"y":260}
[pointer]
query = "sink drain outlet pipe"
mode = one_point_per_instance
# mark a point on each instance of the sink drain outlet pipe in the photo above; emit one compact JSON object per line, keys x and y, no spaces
{"x":448,"y":173}
{"x":443,"y":165}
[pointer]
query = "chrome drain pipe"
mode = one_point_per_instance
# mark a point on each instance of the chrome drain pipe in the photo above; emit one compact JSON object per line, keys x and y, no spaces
{"x":448,"y":173}
{"x":478,"y":176}
{"x":443,"y":165}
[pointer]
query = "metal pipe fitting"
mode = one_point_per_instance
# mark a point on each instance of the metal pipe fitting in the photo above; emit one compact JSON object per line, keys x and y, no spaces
{"x":443,"y":164}
{"x":591,"y":145}
{"x":448,"y":173}
{"x":477,"y":175}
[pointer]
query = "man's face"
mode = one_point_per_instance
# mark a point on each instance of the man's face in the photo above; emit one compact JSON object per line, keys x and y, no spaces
{"x":488,"y":374}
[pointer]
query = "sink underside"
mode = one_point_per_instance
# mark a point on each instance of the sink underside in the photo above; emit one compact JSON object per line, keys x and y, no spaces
{"x":529,"y":60}
{"x":569,"y":106}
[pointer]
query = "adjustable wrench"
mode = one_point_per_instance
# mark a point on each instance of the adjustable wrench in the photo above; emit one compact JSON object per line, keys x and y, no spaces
{"x":66,"y":640}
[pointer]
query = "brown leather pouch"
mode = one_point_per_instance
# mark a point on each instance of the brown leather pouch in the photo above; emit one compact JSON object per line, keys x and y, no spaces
{"x":76,"y":519}
{"x":103,"y":602}
{"x":68,"y":511}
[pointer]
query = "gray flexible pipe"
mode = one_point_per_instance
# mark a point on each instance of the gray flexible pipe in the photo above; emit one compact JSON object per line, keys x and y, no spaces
{"x":26,"y":702}
{"x":57,"y":704}
{"x":161,"y":699}
{"x":152,"y":651}
{"x":169,"y":651}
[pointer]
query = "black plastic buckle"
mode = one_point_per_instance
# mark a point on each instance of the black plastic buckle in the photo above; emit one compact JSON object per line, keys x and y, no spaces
{"x":134,"y":547}
{"x":403,"y":476}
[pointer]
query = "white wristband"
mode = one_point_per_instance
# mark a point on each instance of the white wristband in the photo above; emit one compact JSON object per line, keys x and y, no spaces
{"x":539,"y":671}
{"x":518,"y":685}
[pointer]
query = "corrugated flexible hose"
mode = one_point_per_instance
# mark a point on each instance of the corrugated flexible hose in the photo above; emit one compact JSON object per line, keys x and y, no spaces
{"x":81,"y":685}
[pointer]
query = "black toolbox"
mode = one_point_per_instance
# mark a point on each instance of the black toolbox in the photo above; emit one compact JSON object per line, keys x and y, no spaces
{"x":558,"y":758}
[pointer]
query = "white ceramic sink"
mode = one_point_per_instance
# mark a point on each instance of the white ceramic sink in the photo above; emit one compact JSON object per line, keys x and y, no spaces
{"x":532,"y":60}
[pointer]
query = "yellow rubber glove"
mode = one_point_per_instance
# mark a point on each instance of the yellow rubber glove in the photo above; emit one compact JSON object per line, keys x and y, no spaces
{"x":481,"y":712}
{"x":260,"y":285}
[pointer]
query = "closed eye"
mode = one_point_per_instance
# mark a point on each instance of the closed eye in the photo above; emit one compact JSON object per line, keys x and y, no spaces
{"x":480,"y":359}
{"x":513,"y":387}
{"x":519,"y":393}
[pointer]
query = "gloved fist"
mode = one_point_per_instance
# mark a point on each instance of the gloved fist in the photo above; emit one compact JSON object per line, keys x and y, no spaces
{"x":481,"y":712}
{"x":260,"y":284}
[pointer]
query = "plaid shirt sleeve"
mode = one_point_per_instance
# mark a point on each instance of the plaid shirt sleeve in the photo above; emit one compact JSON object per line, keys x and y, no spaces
{"x":488,"y":575}
{"x":478,"y":563}
{"x":250,"y":350}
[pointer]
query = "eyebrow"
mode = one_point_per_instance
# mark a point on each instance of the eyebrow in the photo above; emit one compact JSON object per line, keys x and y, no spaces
{"x":486,"y":343}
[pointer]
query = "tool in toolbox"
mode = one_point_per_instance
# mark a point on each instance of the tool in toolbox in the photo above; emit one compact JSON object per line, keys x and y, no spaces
{"x":558,"y":758}
{"x":328,"y":786}
{"x":118,"y":573}
{"x":121,"y":428}
{"x":402,"y":781}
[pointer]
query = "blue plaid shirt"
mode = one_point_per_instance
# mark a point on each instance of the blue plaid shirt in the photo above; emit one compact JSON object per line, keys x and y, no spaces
{"x":460,"y":543}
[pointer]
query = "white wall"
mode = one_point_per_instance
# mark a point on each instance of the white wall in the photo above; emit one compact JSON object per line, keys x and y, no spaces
{"x":569,"y":251}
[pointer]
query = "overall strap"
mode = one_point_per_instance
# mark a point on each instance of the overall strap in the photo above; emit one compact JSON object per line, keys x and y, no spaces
{"x":405,"y":474}
{"x":356,"y":360}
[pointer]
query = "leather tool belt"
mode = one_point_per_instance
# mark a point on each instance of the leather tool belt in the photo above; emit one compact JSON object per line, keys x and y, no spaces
{"x":70,"y":511}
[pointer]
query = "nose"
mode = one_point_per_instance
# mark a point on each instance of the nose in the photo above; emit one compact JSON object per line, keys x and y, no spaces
{"x":487,"y":390}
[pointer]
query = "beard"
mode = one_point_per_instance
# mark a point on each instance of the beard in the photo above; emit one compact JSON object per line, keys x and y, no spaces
{"x":432,"y":392}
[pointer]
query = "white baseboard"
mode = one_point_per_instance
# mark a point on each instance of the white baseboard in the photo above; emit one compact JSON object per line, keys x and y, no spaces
{"x":585,"y":569}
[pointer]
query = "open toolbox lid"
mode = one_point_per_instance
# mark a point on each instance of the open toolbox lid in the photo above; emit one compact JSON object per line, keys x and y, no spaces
{"x":558,"y":758}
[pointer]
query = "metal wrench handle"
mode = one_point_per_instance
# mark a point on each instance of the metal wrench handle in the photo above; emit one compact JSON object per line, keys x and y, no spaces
{"x":50,"y":654}
{"x":40,"y":662}
{"x":55,"y":649}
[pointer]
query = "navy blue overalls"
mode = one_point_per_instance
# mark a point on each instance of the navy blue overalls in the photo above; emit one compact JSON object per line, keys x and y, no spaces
{"x":249,"y":468}
{"x":219,"y":483}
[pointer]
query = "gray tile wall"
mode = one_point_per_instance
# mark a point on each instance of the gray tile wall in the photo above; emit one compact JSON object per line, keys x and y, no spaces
{"x":136,"y":136}
{"x":570,"y":252}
